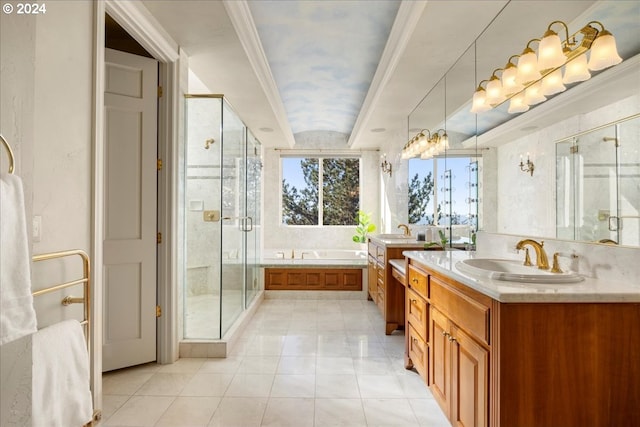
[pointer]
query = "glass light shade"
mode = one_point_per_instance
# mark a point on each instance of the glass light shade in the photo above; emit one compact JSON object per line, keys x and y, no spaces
{"x":480,"y":104}
{"x":576,"y":70}
{"x":604,"y":52}
{"x":533,"y":95}
{"x":552,"y":83}
{"x":517,"y":104}
{"x":527,"y":68}
{"x":550,"y":53}
{"x":509,"y":84}
{"x":494,"y":92}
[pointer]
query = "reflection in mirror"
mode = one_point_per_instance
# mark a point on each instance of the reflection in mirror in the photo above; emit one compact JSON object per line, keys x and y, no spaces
{"x":598,"y":183}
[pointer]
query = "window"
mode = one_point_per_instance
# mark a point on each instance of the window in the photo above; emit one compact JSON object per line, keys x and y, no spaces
{"x":320,"y":191}
{"x":443,"y":191}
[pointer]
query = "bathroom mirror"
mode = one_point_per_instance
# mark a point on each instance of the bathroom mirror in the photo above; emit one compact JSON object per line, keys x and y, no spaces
{"x":598,"y":184}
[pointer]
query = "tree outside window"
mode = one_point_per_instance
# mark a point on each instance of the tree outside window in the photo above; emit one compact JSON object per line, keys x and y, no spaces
{"x":320,"y":191}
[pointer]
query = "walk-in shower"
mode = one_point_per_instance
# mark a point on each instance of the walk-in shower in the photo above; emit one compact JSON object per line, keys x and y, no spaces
{"x":221,"y":217}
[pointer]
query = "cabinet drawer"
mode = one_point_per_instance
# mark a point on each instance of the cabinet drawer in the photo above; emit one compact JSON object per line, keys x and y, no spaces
{"x":418,"y":314}
{"x":463,"y":310}
{"x":398,"y":276}
{"x":418,"y":282}
{"x":380,"y":255}
{"x":418,"y":352}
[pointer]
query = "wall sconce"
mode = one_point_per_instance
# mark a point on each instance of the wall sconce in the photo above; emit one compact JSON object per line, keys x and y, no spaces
{"x":537,"y":77}
{"x":526,"y":167}
{"x":426,"y":145}
{"x":385,"y":165}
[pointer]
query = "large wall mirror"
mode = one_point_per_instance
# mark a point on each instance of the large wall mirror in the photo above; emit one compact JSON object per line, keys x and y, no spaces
{"x":598,"y":184}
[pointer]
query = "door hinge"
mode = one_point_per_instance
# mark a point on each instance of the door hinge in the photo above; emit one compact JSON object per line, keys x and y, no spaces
{"x":573,"y":149}
{"x":158,"y":311}
{"x":159,"y":165}
{"x":159,"y":238}
{"x":160,"y":92}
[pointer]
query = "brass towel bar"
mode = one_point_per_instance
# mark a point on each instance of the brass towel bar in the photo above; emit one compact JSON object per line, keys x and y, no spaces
{"x":10,"y":152}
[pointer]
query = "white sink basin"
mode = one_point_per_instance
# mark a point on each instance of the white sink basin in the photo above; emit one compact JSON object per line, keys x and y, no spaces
{"x":394,"y":236}
{"x":514,"y":271}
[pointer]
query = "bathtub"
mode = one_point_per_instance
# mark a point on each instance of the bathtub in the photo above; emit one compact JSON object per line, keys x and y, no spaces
{"x":316,"y":257}
{"x":314,"y":270}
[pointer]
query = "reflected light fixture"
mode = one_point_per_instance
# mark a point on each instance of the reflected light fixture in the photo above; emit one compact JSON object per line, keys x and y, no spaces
{"x":426,"y":145}
{"x":385,"y":166}
{"x":556,"y":64}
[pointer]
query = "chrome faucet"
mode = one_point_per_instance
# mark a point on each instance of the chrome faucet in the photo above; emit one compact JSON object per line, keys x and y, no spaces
{"x":541,"y":255}
{"x":405,"y":228}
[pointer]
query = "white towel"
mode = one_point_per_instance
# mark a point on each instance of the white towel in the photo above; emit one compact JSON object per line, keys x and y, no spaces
{"x":61,"y":392}
{"x":17,"y":316}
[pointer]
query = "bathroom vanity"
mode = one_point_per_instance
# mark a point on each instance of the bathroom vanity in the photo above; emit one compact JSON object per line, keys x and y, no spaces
{"x":500,"y":353}
{"x":385,"y":290}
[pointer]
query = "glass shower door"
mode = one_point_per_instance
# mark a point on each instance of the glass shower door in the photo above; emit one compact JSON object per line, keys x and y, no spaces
{"x":201,"y":292}
{"x":253,"y":220}
{"x":233,"y":244}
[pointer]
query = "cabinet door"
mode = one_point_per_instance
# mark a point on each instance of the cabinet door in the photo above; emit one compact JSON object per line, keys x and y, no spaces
{"x":469,"y":381}
{"x":372,"y":278}
{"x":440,"y":359}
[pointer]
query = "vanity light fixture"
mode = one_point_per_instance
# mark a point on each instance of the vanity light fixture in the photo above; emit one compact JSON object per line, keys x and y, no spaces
{"x":426,"y":145}
{"x":540,"y":75}
{"x":385,"y":165}
{"x":528,"y":166}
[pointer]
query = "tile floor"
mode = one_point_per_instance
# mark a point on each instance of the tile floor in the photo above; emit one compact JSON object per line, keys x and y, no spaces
{"x":299,"y":363}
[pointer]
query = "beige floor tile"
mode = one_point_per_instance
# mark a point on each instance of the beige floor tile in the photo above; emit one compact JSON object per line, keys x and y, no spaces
{"x":339,"y":412}
{"x":250,"y":385}
{"x":296,"y":365}
{"x":205,"y":384}
{"x":111,"y":403}
{"x":140,"y":411}
{"x":389,"y":412}
{"x":285,"y":412}
{"x":189,"y":412}
{"x":124,"y":383}
{"x":182,"y":366}
{"x":337,"y":386}
{"x":335,"y":365}
{"x":294,"y":386}
{"x":164,"y":385}
{"x":259,"y":365}
{"x":227,"y":365}
{"x":380,"y":386}
{"x":239,"y":412}
{"x":428,"y":413}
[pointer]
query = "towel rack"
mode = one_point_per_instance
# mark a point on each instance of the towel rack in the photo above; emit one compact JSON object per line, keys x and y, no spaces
{"x":10,"y":152}
{"x":72,"y":300}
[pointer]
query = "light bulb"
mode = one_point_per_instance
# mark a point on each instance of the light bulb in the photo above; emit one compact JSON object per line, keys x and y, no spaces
{"x":550,"y":53}
{"x":527,"y":67}
{"x":552,"y":83}
{"x":533,"y":95}
{"x":576,"y":70}
{"x":604,"y":52}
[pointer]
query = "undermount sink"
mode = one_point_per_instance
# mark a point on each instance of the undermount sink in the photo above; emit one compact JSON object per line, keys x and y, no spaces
{"x":514,"y":271}
{"x":394,"y":236}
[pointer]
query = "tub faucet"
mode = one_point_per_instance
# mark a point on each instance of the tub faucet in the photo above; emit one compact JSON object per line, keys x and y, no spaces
{"x":405,"y":229}
{"x":541,"y":255}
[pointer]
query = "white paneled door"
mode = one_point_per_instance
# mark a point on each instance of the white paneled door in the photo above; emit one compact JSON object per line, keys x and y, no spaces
{"x":130,"y":207}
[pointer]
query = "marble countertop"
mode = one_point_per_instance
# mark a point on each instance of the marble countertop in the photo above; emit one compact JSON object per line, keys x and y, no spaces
{"x":588,"y":290}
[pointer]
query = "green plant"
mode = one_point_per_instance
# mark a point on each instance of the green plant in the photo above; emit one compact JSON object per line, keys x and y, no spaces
{"x":364,"y":227}
{"x":443,"y":238}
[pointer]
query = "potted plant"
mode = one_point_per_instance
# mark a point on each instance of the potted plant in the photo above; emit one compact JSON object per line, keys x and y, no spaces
{"x":364,"y":227}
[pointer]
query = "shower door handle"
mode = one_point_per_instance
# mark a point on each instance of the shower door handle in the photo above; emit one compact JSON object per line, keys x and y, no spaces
{"x":243,"y":222}
{"x":244,"y":225}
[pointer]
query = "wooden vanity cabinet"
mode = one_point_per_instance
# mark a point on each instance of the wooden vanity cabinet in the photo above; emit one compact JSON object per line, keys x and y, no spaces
{"x":526,"y":364}
{"x":386,"y":291}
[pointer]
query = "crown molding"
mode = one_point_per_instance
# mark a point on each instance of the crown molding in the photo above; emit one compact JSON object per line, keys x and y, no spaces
{"x":242,"y":21}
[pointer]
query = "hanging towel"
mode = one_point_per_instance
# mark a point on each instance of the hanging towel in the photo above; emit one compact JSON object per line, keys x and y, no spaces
{"x":17,"y":316}
{"x":61,"y":396}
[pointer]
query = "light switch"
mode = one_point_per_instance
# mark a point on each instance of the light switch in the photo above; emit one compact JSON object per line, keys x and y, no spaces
{"x":37,"y":228}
